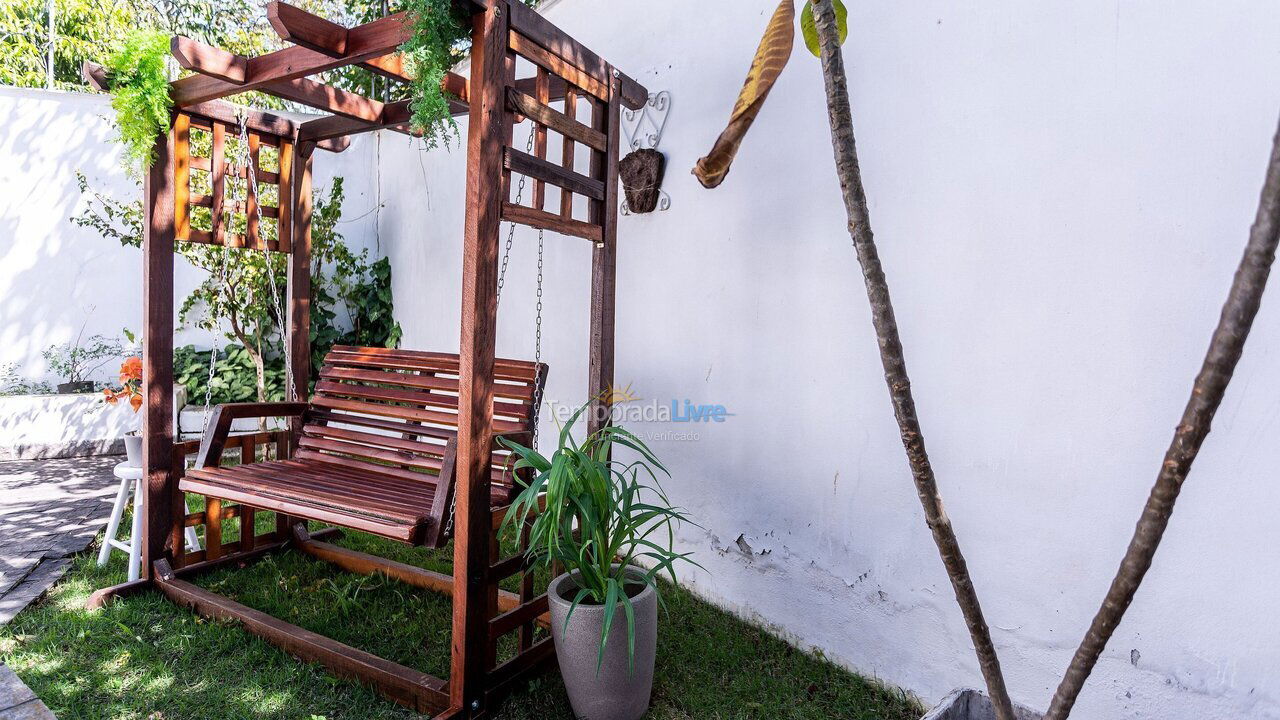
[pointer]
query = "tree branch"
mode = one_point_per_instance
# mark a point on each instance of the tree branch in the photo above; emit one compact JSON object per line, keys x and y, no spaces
{"x":1210,"y":385}
{"x":892,"y":358}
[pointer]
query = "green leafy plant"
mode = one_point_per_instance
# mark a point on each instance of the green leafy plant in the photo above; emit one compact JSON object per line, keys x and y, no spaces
{"x":77,"y":360}
{"x":344,"y":283}
{"x":12,"y":383}
{"x":809,"y":28}
{"x":236,"y":379}
{"x":82,"y":28}
{"x":140,"y":86}
{"x":441,"y":38}
{"x":596,"y":516}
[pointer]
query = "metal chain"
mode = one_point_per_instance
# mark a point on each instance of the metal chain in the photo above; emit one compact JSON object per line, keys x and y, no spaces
{"x":537,"y":347}
{"x":511,"y":234}
{"x":213,"y":353}
{"x":291,"y":391}
{"x":502,"y":279}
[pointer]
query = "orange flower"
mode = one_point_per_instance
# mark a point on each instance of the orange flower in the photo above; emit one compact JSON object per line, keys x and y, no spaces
{"x":135,"y":401}
{"x":109,"y":396}
{"x":131,"y":369}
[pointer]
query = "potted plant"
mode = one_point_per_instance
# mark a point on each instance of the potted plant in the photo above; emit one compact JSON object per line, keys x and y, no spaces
{"x":131,"y":390}
{"x":596,"y":517}
{"x":78,"y":360}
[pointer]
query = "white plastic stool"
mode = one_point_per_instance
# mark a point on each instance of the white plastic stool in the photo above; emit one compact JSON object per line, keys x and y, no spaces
{"x":131,"y":484}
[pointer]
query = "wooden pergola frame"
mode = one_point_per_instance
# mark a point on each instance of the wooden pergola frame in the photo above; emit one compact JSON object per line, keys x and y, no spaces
{"x":494,"y":99}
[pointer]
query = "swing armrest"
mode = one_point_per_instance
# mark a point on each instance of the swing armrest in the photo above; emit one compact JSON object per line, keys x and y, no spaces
{"x":215,"y":434}
{"x":448,"y":467}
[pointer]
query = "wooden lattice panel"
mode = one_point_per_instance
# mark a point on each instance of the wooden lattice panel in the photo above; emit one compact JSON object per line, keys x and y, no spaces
{"x":589,"y":86}
{"x":232,"y":202}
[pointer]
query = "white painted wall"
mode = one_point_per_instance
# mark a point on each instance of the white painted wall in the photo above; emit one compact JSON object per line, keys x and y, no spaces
{"x":55,"y":276}
{"x":1061,"y":192}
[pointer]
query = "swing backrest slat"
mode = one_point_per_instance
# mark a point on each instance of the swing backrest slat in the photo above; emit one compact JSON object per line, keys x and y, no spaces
{"x":394,"y":411}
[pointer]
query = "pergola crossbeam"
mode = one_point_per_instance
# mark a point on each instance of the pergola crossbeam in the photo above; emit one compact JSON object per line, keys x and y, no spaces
{"x":365,"y":42}
{"x":225,"y":66}
{"x":310,"y":31}
{"x":214,"y":62}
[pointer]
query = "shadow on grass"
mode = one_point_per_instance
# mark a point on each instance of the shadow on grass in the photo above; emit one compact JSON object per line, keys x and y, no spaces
{"x":145,"y":658}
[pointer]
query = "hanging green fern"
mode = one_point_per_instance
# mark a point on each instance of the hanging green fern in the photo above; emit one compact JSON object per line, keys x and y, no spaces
{"x":141,"y":88}
{"x":440,"y":35}
{"x":441,"y":38}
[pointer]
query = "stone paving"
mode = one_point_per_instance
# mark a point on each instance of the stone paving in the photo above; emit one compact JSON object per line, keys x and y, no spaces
{"x":49,"y":510}
{"x":17,"y":702}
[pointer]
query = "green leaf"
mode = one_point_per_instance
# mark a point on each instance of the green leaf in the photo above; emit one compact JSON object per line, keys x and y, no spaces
{"x":810,"y":29}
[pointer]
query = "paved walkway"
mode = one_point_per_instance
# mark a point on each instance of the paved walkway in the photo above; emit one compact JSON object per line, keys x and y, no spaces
{"x":17,"y":702}
{"x":49,"y":510}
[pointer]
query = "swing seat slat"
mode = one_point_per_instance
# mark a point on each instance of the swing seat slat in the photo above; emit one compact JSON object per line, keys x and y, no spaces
{"x":375,"y":450}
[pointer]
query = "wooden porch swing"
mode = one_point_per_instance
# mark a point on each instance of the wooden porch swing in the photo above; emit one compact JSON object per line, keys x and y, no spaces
{"x":398,"y":443}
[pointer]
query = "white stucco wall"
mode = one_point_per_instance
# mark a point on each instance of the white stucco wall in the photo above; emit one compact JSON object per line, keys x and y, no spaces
{"x":55,"y":276}
{"x":1060,"y":192}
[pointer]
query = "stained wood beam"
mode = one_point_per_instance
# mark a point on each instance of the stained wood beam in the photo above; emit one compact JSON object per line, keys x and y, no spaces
{"x":395,"y":116}
{"x":525,"y":164}
{"x":523,"y":104}
{"x":316,"y":33}
{"x":310,"y":31}
{"x":389,"y":66}
{"x":260,"y":121}
{"x":328,"y":98}
{"x":212,"y":61}
{"x":231,"y":68}
{"x":529,"y":23}
{"x":256,"y":120}
{"x":408,"y":687}
{"x":103,"y":597}
{"x":363,"y":43}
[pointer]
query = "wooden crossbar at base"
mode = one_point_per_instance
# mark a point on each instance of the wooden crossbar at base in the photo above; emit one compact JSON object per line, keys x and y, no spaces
{"x":100,"y":598}
{"x":354,"y":561}
{"x":408,"y":687}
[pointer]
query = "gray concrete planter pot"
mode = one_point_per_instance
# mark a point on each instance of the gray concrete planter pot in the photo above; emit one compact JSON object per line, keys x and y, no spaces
{"x":969,"y":704}
{"x":616,"y":693}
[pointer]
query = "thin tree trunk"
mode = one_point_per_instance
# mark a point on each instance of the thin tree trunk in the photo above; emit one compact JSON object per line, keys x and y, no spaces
{"x":891,"y":356}
{"x":1206,"y":395}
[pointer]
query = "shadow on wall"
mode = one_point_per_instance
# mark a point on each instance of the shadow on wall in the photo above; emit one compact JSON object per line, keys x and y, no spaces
{"x":54,"y":272}
{"x":53,"y":426}
{"x":55,"y":275}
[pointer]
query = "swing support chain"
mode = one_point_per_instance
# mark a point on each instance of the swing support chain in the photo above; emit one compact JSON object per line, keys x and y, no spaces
{"x":537,"y":341}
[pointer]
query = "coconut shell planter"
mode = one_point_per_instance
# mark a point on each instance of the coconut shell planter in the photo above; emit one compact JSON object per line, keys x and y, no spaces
{"x":641,"y":172}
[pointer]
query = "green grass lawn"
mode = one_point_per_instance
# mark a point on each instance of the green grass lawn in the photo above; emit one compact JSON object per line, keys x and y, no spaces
{"x":143,"y":657}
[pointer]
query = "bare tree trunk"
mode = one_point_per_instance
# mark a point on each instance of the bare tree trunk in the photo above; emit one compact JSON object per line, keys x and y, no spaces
{"x":1206,"y":395}
{"x":891,"y":356}
{"x":255,"y":354}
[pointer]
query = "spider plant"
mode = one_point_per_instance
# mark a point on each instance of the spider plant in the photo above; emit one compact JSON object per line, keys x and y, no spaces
{"x":597,"y":516}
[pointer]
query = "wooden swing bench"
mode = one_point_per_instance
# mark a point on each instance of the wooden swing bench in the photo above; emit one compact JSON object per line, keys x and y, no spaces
{"x":376,"y":449}
{"x":397,"y":443}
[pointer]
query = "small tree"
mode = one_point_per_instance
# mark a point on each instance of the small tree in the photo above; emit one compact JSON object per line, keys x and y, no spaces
{"x":78,"y":360}
{"x":238,"y":303}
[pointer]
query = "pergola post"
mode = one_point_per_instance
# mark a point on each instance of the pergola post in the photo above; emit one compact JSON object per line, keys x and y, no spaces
{"x":299,"y":321}
{"x":475,"y":598}
{"x":604,"y":262}
{"x":160,"y":486}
